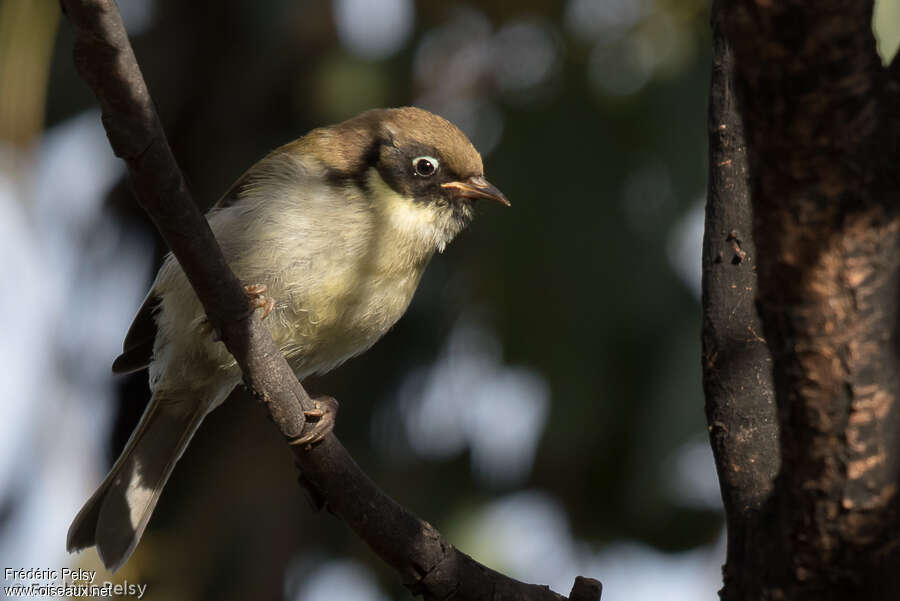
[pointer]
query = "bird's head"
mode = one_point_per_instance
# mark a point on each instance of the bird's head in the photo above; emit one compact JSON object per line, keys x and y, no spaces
{"x":417,"y":168}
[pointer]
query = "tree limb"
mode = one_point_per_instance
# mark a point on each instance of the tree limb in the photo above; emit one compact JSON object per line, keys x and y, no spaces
{"x":427,"y":563}
{"x":737,"y":366}
{"x":826,"y":202}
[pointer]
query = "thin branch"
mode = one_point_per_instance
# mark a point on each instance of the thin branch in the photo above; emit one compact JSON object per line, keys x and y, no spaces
{"x":737,"y":366}
{"x":426,"y":562}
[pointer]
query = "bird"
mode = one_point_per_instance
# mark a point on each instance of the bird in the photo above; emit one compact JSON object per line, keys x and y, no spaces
{"x":331,"y":234}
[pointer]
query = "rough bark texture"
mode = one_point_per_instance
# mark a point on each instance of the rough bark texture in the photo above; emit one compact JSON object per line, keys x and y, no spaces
{"x":820,"y":125}
{"x":737,"y":366}
{"x":427,"y":563}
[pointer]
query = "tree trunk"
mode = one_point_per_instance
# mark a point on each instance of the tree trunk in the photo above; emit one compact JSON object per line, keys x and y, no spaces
{"x":820,"y":138}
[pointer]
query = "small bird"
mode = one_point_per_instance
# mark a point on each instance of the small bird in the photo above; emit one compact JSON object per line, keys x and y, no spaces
{"x":331,"y":233}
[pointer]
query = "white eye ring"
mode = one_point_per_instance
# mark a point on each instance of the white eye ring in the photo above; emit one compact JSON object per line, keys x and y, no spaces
{"x":425,"y":166}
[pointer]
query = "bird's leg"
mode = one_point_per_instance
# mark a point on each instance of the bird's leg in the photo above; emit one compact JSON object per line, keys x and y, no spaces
{"x":258,"y":299}
{"x":320,"y":421}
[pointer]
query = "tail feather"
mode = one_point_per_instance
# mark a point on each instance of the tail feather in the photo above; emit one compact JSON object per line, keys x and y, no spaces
{"x":115,"y":516}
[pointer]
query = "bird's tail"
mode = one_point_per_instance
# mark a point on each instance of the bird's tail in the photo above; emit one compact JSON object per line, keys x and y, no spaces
{"x":115,"y":516}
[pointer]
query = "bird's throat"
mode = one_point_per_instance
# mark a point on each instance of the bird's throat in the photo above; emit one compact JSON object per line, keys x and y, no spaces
{"x":407,"y":228}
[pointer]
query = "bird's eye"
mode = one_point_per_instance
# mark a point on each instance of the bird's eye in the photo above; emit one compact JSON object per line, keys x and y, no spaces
{"x":425,"y":166}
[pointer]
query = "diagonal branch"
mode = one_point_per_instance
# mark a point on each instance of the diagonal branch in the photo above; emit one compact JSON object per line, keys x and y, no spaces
{"x":427,"y":563}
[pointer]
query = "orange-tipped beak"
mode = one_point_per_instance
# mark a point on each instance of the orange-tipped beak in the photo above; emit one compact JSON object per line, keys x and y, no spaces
{"x":477,"y":187}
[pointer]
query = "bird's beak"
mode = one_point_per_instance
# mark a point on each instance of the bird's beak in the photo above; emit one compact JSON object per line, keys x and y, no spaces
{"x":476,"y":187}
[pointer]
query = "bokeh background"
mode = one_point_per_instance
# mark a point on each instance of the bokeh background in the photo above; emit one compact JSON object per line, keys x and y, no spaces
{"x":540,"y":403}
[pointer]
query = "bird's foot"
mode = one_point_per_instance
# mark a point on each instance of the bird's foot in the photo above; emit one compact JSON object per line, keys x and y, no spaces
{"x":256,"y":294}
{"x":259,"y":300}
{"x":319,"y":421}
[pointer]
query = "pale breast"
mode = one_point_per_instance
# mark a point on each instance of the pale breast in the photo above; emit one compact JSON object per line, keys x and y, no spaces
{"x":331,"y":324}
{"x":341,"y":268}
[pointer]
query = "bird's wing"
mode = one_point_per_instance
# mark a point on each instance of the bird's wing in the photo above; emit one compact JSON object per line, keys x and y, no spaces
{"x":137,"y":350}
{"x":273,"y":166}
{"x":260,"y":169}
{"x":233,"y":194}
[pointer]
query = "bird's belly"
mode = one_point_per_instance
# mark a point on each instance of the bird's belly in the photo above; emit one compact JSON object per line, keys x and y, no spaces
{"x":320,"y":328}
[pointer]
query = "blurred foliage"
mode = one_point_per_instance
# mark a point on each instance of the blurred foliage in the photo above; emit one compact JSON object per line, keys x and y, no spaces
{"x":27,"y":31}
{"x":602,"y":152}
{"x":886,"y":25}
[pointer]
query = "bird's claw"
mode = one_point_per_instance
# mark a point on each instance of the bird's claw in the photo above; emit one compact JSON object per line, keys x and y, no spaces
{"x":259,"y":300}
{"x":320,"y":421}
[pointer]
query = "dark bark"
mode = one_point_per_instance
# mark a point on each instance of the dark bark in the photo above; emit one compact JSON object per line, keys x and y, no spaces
{"x":427,"y":563}
{"x":895,"y":68}
{"x":737,"y":366}
{"x":820,"y":125}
